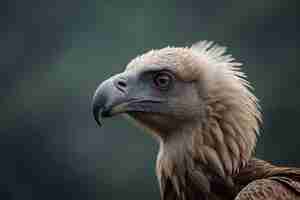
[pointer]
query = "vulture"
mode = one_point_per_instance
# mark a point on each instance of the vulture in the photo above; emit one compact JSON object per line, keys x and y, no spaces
{"x":199,"y":106}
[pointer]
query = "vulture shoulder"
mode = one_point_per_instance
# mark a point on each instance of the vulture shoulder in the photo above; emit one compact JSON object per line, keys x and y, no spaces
{"x":270,"y":189}
{"x":269,"y":182}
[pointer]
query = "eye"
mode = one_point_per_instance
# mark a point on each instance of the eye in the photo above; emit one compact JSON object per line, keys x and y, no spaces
{"x":163,"y":80}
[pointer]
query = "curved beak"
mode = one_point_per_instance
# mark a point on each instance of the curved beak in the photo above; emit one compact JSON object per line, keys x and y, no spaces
{"x":123,"y":93}
{"x":108,"y":95}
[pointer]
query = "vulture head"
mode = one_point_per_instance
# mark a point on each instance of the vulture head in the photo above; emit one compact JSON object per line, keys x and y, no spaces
{"x":197,"y":103}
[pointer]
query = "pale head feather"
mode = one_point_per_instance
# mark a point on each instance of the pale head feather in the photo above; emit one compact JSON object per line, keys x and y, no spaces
{"x":228,"y":137}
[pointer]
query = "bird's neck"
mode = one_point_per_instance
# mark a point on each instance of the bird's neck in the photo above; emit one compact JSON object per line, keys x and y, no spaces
{"x":194,"y":162}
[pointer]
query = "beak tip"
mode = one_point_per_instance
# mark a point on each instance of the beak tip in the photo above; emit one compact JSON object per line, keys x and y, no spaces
{"x":96,"y":113}
{"x":99,"y":122}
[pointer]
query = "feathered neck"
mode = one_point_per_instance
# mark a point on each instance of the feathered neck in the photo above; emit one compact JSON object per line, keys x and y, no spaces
{"x":201,"y":159}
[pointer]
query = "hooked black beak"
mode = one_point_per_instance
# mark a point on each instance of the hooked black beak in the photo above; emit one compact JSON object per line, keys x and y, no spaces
{"x":108,"y":98}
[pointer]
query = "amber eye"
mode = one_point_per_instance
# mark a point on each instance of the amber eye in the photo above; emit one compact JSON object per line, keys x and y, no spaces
{"x":163,"y":80}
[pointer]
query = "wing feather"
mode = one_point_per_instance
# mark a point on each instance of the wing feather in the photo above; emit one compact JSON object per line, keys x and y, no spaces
{"x":267,"y":189}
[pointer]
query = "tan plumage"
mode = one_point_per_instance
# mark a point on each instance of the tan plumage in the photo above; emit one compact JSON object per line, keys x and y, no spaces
{"x":208,"y":130}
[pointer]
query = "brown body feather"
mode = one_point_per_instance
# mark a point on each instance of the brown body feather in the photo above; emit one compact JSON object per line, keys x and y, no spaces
{"x":261,"y":180}
{"x":257,"y":180}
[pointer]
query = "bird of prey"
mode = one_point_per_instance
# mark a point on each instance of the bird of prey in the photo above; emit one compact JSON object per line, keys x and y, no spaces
{"x":200,"y":107}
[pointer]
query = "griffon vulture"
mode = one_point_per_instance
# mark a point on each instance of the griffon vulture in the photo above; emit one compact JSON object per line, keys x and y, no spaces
{"x":199,"y":106}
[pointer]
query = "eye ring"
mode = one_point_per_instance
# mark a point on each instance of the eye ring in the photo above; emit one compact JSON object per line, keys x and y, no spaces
{"x":163,"y":80}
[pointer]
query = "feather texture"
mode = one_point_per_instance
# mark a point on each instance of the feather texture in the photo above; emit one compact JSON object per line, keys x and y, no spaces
{"x":211,"y":156}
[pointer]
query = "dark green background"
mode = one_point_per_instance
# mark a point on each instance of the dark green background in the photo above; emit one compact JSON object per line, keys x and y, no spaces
{"x":54,"y":54}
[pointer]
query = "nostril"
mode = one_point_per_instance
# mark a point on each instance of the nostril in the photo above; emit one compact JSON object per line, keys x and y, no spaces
{"x":122,"y":84}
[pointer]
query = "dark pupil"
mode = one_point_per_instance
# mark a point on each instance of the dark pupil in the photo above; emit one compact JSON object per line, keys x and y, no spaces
{"x":163,"y":80}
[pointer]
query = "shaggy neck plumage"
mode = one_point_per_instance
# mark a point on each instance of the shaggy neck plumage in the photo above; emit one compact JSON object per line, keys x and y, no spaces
{"x":208,"y":153}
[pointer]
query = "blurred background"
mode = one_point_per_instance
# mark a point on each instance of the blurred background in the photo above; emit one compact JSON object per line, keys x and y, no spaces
{"x":55,"y":53}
